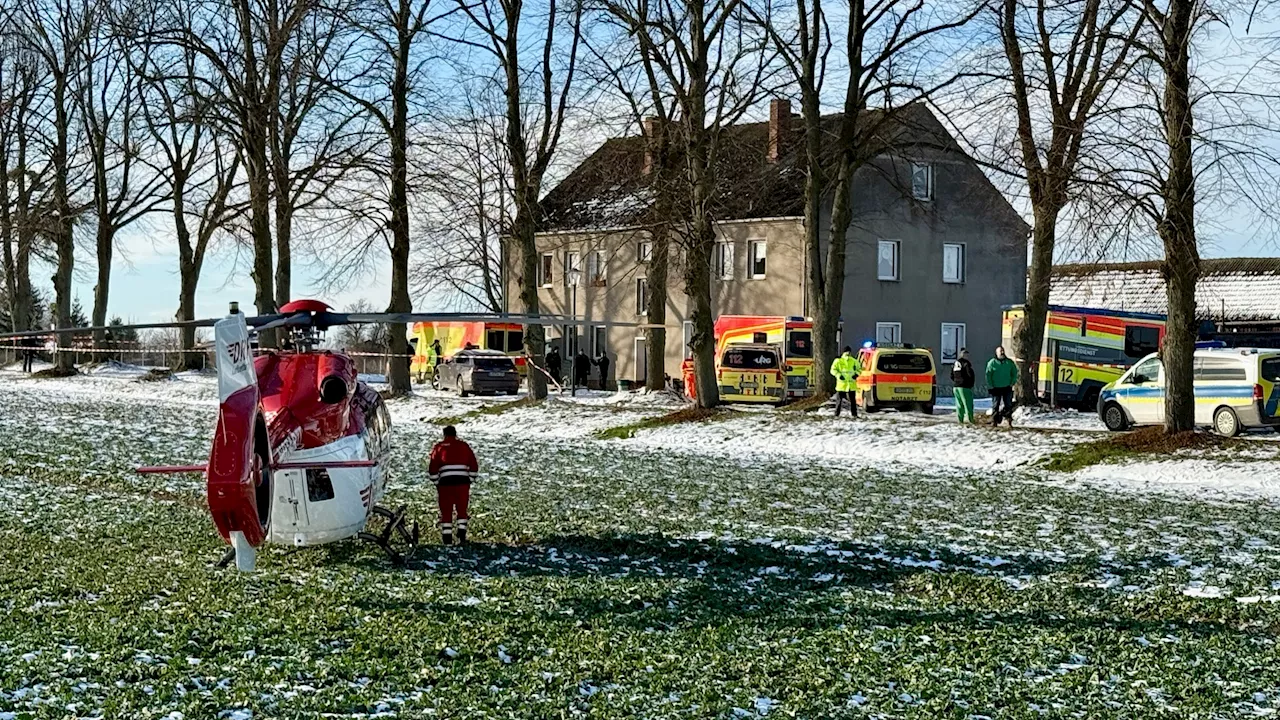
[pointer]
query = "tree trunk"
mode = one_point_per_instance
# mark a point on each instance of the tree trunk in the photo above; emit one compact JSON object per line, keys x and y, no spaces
{"x":63,"y":236}
{"x":697,"y":275}
{"x":831,"y":298}
{"x":398,"y":366}
{"x":825,"y":321}
{"x":659,"y":263}
{"x":105,"y":239}
{"x":1177,"y":228}
{"x":1029,"y":342}
{"x":260,"y":224}
{"x":284,"y":251}
{"x":534,"y":335}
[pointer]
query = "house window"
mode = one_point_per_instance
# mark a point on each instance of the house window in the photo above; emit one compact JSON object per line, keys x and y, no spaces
{"x":596,"y":269}
{"x":599,"y":340}
{"x":688,"y":339}
{"x":888,"y":332}
{"x":952,"y":263}
{"x":642,"y":296}
{"x":887,"y":260}
{"x":545,"y":269}
{"x":952,"y":341}
{"x":572,"y":264}
{"x":724,"y":260}
{"x":922,"y":181}
{"x":644,"y":251}
{"x":758,"y":255}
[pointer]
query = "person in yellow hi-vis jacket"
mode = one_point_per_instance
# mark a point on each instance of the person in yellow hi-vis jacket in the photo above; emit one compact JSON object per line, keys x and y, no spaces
{"x":846,"y":369}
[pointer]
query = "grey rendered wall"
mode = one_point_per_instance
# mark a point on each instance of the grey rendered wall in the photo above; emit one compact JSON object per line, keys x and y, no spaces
{"x":965,"y":209}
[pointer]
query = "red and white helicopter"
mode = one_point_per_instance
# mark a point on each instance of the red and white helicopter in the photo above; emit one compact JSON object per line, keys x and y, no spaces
{"x":300,"y":443}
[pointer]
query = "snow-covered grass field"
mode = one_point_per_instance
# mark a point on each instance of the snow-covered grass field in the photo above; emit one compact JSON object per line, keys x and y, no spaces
{"x":765,"y":564}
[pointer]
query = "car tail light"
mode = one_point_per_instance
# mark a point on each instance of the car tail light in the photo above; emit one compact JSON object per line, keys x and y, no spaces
{"x":1257,"y":392}
{"x":520,"y":361}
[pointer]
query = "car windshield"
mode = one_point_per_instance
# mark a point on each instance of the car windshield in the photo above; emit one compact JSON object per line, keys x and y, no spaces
{"x":744,"y":359}
{"x":494,"y":363}
{"x":799,"y":344}
{"x":906,"y":363}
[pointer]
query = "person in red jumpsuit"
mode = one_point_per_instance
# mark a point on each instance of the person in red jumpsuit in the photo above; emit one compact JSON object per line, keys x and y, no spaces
{"x":453,"y":466}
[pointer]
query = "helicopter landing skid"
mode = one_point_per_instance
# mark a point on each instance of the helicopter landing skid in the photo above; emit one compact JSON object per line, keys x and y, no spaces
{"x":394,"y":528}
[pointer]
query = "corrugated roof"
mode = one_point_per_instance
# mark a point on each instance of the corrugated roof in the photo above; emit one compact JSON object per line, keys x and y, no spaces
{"x":1230,"y":289}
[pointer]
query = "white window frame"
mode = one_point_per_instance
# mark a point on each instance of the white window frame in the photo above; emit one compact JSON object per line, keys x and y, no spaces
{"x":960,"y":341}
{"x":546,"y":270}
{"x":572,"y":261}
{"x":959,"y":279}
{"x":896,"y":275}
{"x":642,"y":296}
{"x":644,"y":251}
{"x":753,"y":246}
{"x":596,"y":332}
{"x":896,"y":327}
{"x":597,"y":269}
{"x":927,"y":170}
{"x":724,"y":260}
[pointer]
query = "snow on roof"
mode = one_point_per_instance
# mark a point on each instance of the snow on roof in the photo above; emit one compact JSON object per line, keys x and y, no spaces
{"x":1230,"y":289}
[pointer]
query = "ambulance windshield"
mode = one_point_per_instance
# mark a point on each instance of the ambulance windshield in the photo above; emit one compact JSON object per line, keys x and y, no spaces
{"x":798,"y":344}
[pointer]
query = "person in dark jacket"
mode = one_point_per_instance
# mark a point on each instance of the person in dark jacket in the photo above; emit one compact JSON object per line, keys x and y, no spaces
{"x":452,"y":468}
{"x":602,"y":362}
{"x":581,"y":368}
{"x":1002,"y":374}
{"x":28,"y":353}
{"x":962,"y":378}
{"x":555,"y":365}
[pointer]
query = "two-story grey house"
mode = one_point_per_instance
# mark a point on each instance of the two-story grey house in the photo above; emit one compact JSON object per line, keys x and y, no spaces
{"x":933,"y":252}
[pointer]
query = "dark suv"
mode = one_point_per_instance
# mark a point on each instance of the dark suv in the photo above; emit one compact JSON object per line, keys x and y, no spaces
{"x":477,"y":371}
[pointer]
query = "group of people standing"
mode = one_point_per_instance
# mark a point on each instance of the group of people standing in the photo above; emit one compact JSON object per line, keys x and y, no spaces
{"x":1001,"y":375}
{"x":582,"y":364}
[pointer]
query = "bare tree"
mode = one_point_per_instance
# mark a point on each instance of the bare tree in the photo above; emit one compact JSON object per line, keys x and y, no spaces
{"x":242,"y":45}
{"x":109,"y":104}
{"x":551,"y":72}
{"x":884,"y":44}
{"x":653,"y":108}
{"x":385,"y":90}
{"x":713,"y":63}
{"x":1058,"y":69}
{"x":198,"y":162}
{"x":466,"y":209}
{"x":54,"y":31}
{"x":23,"y":182}
{"x":314,"y":140}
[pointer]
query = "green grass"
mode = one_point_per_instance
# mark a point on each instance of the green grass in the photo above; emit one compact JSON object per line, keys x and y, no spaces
{"x":683,"y":415}
{"x":486,"y":410}
{"x":1149,"y":442}
{"x":611,"y":581}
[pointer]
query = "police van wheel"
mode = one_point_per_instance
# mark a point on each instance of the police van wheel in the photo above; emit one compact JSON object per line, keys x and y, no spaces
{"x":1225,"y":422}
{"x":1114,"y":418}
{"x":435,"y":381}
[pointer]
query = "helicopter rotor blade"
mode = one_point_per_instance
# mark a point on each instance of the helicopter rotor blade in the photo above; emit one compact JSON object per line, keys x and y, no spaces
{"x":260,"y":322}
{"x":330,"y":319}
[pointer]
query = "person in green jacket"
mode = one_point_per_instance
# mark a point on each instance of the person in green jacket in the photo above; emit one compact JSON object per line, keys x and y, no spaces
{"x":846,"y":369}
{"x":1002,"y":374}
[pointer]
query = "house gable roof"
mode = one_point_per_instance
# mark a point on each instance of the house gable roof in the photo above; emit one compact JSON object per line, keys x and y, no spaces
{"x":611,"y":190}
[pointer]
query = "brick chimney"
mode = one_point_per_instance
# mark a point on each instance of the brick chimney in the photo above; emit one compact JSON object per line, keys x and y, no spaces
{"x":779,"y":127}
{"x":651,"y":128}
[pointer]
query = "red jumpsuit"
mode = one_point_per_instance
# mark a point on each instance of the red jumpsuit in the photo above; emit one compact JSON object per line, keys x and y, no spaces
{"x":452,"y":468}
